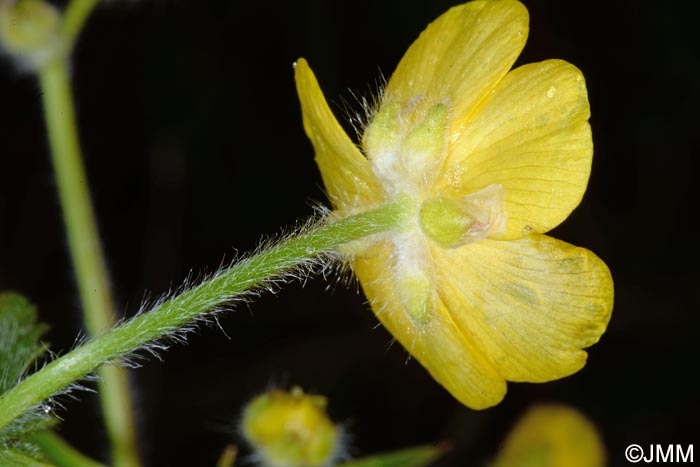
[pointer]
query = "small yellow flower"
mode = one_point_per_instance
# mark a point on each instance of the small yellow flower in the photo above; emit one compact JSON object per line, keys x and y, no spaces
{"x":488,"y":159}
{"x":291,"y":429}
{"x":552,"y":435}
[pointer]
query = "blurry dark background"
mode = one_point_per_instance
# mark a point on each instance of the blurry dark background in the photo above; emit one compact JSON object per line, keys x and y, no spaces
{"x":194,"y":147}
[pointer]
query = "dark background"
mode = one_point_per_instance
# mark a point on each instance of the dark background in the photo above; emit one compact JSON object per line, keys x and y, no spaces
{"x":194,"y":147}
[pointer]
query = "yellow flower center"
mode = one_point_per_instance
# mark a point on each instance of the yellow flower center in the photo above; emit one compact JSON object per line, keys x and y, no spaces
{"x":406,"y":150}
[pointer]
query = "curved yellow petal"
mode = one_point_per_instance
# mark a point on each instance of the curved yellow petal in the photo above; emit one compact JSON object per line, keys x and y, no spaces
{"x":437,"y":344}
{"x":460,"y":56}
{"x":346,"y":173}
{"x":529,"y":305}
{"x":532,"y":136}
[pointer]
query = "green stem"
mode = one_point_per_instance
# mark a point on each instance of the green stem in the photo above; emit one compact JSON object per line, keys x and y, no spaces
{"x":228,"y":456}
{"x":59,"y":452}
{"x":17,"y":459}
{"x":167,"y":317}
{"x":74,"y":18}
{"x":418,"y":456}
{"x":86,"y":252}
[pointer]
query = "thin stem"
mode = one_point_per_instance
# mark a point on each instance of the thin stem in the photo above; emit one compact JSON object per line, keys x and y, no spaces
{"x":74,"y":18}
{"x":167,"y":317}
{"x":86,"y":252}
{"x":17,"y":459}
{"x":228,"y":456}
{"x":418,"y":456}
{"x":59,"y":452}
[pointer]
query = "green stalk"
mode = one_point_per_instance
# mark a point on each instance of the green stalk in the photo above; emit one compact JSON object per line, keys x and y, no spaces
{"x":18,"y":459}
{"x":56,"y":450}
{"x":228,"y":456}
{"x":167,"y":317}
{"x":418,"y":456}
{"x":74,"y":18}
{"x":86,"y":252}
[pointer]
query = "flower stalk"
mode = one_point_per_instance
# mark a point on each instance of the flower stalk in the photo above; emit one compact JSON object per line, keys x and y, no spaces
{"x":77,"y":12}
{"x":171,"y":315}
{"x":86,"y":252}
{"x":56,"y":450}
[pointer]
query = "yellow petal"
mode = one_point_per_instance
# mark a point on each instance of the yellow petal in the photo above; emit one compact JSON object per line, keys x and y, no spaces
{"x":346,"y":173}
{"x":529,"y":305}
{"x":532,"y":136}
{"x":460,"y":56}
{"x":434,"y":341}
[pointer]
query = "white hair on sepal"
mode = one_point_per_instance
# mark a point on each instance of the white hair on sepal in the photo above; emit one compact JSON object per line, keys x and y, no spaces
{"x":361,"y":107}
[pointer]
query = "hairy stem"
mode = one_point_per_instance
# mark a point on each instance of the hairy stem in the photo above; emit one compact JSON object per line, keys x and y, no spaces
{"x":167,"y":317}
{"x":86,"y":253}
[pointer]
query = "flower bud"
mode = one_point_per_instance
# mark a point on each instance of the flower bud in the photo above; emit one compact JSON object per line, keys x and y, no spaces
{"x":30,"y":30}
{"x":291,"y":429}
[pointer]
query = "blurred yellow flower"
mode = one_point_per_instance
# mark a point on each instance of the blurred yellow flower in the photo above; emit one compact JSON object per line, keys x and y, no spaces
{"x":487,"y":161}
{"x":552,"y":435}
{"x":291,"y":429}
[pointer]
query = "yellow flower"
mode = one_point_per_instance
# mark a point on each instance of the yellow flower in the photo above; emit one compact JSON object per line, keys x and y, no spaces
{"x":552,"y":435}
{"x":488,"y":160}
{"x":291,"y":429}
